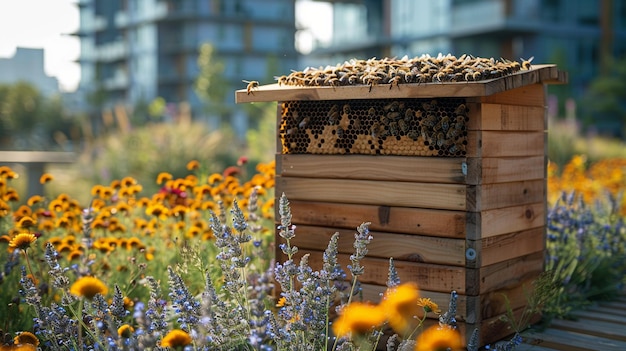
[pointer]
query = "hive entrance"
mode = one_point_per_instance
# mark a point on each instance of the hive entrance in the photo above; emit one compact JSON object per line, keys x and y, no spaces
{"x":409,"y":127}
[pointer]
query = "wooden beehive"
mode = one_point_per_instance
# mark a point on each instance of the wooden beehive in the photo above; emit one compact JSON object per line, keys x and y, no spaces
{"x":466,"y":212}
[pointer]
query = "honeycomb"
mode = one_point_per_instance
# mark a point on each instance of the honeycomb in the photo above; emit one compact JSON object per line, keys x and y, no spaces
{"x":408,"y":127}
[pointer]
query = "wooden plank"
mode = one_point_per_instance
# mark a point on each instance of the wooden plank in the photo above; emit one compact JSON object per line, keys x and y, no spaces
{"x":531,"y":95}
{"x":498,"y":195}
{"x":501,"y":117}
{"x":608,"y":310}
{"x":505,"y":143}
{"x":410,"y":248}
{"x":391,"y":168}
{"x":431,"y":277}
{"x":505,"y":169}
{"x":614,"y":304}
{"x":589,"y":314}
{"x":504,"y":220}
{"x":568,"y":340}
{"x":530,"y":347}
{"x":507,"y":246}
{"x":37,"y":157}
{"x":504,"y":274}
{"x":441,"y":223}
{"x":614,"y":331}
{"x":274,"y":92}
{"x":368,"y":192}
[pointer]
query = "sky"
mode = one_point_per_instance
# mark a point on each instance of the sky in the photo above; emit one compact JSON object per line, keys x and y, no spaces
{"x":47,"y":23}
{"x":43,"y":24}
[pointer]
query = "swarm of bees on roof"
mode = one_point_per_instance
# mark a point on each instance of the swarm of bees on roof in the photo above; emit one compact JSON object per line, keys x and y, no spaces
{"x":422,"y":69}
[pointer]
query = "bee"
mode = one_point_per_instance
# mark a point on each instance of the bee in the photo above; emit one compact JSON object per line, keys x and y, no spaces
{"x":395,"y":81}
{"x":441,"y":139}
{"x":409,"y":115}
{"x":453,"y":133}
{"x":282,"y":80}
{"x":404,"y":127}
{"x":340,"y":132}
{"x":393,"y":115}
{"x":429,"y":121}
{"x":333,"y":115}
{"x":393,"y":106}
{"x":413,"y":135}
{"x":251,"y":85}
{"x":460,"y":110}
{"x":526,"y":63}
{"x":346,"y":109}
{"x":445,"y":123}
{"x":304,"y":122}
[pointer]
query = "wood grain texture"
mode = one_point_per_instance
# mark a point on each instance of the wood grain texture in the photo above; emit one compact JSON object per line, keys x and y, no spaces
{"x":273,"y":92}
{"x":504,"y":220}
{"x":505,"y":169}
{"x":368,"y":192}
{"x":487,"y":116}
{"x":497,"y":195}
{"x":405,"y":220}
{"x":388,"y":168}
{"x":505,"y":143}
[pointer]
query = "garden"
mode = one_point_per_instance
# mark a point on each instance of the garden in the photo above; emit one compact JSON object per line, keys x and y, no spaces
{"x":190,"y":266}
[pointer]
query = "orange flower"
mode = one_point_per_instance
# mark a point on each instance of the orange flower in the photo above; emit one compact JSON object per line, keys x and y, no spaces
{"x":22,"y":241}
{"x":26,"y":222}
{"x":400,"y":305}
{"x":162,"y":177}
{"x":45,"y":178}
{"x":438,"y":338}
{"x":176,"y":338}
{"x":35,"y":199}
{"x":193,"y":164}
{"x":88,"y":287}
{"x":428,"y":305}
{"x":358,"y":318}
{"x":26,"y":338}
{"x":125,"y":331}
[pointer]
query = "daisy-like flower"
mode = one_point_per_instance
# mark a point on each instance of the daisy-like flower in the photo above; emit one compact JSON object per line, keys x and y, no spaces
{"x":125,"y":331}
{"x":193,"y":164}
{"x":438,"y":338}
{"x":35,"y":199}
{"x":428,"y":305}
{"x":26,"y":222}
{"x":358,"y":318}
{"x":176,"y":338}
{"x":215,"y":178}
{"x":45,"y":178}
{"x":22,"y":241}
{"x":400,"y":305}
{"x":26,"y":338}
{"x":88,"y":287}
{"x":163,"y":177}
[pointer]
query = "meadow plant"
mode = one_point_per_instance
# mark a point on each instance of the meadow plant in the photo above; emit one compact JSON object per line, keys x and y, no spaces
{"x":176,"y":270}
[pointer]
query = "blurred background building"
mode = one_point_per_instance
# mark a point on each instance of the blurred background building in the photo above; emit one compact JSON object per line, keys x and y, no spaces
{"x":579,"y":35}
{"x":133,"y":51}
{"x":26,"y":65}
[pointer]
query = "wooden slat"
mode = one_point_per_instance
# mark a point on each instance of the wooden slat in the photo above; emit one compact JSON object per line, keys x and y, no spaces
{"x":589,"y":314}
{"x":505,"y":220}
{"x":274,"y":92}
{"x":37,"y":157}
{"x":403,"y":194}
{"x":431,"y":277}
{"x":614,"y":304}
{"x":608,"y":330}
{"x":506,"y":246}
{"x":531,"y":95}
{"x":441,"y":223}
{"x":390,"y":168}
{"x":568,"y":340}
{"x":608,"y":310}
{"x":503,"y":275}
{"x":410,"y":248}
{"x":501,"y":117}
{"x":505,"y":143}
{"x":498,"y":195}
{"x":505,"y":169}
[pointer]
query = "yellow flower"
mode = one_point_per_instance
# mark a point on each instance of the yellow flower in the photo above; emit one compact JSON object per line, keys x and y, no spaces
{"x":214,"y":178}
{"x":358,"y":318}
{"x":26,"y":338}
{"x":438,"y":338}
{"x":281,"y":302}
{"x":176,"y":338}
{"x":193,"y":164}
{"x":400,"y":305}
{"x":34,"y":200}
{"x":428,"y":305}
{"x":26,"y":222}
{"x":22,"y":241}
{"x":45,"y":178}
{"x":125,"y":331}
{"x":88,"y":287}
{"x":163,"y":176}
